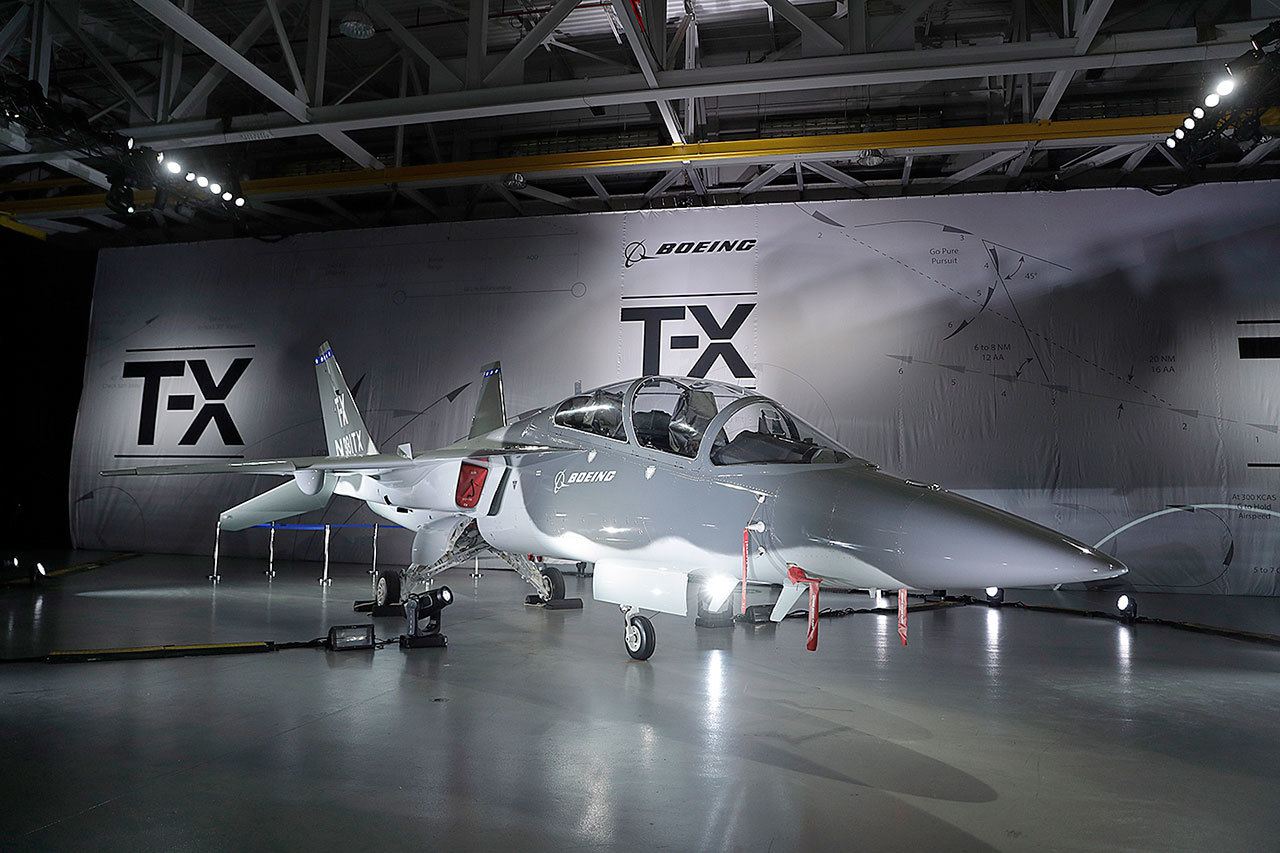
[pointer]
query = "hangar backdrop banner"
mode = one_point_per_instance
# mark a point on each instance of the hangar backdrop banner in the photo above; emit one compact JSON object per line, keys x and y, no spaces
{"x":1105,"y":362}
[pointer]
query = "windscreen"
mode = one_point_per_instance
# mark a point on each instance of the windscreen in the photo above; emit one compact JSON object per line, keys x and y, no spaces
{"x":765,"y":433}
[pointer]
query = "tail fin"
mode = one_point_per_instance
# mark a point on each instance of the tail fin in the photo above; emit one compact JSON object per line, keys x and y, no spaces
{"x":344,"y":430}
{"x":491,"y":410}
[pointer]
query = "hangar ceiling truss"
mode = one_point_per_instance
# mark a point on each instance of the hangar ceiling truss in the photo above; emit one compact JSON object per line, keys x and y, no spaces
{"x":456,"y":109}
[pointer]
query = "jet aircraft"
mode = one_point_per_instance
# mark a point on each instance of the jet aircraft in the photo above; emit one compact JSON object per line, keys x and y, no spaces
{"x":660,"y":482}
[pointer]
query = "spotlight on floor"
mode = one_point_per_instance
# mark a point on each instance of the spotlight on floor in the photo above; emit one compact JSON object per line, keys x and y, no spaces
{"x":995,"y":595}
{"x":1127,"y":605}
{"x":422,"y":619}
{"x":347,"y":637}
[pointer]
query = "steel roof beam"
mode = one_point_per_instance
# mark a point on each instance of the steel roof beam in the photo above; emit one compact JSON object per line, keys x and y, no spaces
{"x":548,"y":196}
{"x":98,"y":59}
{"x":1259,"y":152}
{"x":764,"y":178}
{"x":906,"y":18}
{"x":282,"y":36}
{"x":441,"y":75}
{"x":648,"y":66}
{"x":814,"y":40}
{"x":986,"y":164}
{"x":792,"y":75}
{"x":215,"y":75}
{"x":665,"y":181}
{"x":226,"y":55}
{"x":1090,"y":24}
{"x":1102,"y":158}
{"x":541,"y":31}
{"x":1136,"y":158}
{"x":12,"y":31}
{"x":831,"y":173}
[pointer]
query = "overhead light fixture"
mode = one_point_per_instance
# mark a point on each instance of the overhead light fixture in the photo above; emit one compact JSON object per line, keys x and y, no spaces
{"x":1189,"y":123}
{"x":240,"y":202}
{"x":202,"y":181}
{"x":120,"y":198}
{"x":215,"y":188}
{"x":1225,"y":87}
{"x":159,"y":156}
{"x":173,"y":166}
{"x":1179,"y":133}
{"x":1211,"y":100}
{"x":357,"y":24}
{"x":189,"y":177}
{"x":226,"y":196}
{"x":1197,"y":113}
{"x":40,"y":569}
{"x":1171,"y":142}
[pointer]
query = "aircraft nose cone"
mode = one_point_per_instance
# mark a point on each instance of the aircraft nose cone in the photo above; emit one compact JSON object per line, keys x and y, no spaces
{"x":946,"y":540}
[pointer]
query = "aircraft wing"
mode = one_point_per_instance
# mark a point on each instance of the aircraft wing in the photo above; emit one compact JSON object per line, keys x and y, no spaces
{"x":374,"y":463}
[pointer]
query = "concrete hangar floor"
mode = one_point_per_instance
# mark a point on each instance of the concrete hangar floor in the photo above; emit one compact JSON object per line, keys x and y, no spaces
{"x":993,"y":730}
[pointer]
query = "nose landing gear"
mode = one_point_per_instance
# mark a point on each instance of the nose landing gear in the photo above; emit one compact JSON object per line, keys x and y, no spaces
{"x":638,"y":636}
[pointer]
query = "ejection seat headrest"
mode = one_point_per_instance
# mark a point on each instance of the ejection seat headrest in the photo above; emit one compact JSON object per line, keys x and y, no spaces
{"x":692,"y":415}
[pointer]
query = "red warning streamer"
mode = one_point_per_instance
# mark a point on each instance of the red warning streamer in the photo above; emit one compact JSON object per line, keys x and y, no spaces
{"x":795,"y":574}
{"x":902,"y":615}
{"x":746,"y":545}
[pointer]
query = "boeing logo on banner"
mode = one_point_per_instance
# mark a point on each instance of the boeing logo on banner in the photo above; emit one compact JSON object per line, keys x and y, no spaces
{"x":214,"y":392}
{"x":635,"y":252}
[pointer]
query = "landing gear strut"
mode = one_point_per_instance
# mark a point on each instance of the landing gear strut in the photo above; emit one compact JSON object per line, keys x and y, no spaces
{"x":638,"y":637}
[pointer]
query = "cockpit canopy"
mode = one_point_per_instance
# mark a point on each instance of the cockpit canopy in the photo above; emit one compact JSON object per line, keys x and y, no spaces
{"x":675,"y":415}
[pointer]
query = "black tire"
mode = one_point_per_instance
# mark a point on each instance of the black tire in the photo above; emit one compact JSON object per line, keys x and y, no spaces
{"x":386,"y":588}
{"x":556,"y":578}
{"x":640,"y":644}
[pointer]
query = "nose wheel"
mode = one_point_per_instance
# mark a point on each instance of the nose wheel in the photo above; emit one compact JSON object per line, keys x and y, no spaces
{"x":639,"y":637}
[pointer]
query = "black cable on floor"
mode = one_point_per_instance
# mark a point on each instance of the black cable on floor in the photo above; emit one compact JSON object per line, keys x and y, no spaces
{"x":966,"y":600}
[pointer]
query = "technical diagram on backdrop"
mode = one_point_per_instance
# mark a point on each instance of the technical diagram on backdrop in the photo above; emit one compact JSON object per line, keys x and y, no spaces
{"x":1101,"y":362}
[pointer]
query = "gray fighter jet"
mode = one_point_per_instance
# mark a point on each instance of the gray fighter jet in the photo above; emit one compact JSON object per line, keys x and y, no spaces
{"x":660,"y":482}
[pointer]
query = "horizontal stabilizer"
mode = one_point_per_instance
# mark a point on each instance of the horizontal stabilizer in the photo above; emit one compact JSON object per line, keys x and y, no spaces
{"x":284,"y":501}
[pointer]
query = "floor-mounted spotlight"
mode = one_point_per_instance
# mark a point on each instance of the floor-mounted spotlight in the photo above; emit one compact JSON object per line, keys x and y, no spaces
{"x":995,"y":595}
{"x":422,"y":619}
{"x":1128,"y":607}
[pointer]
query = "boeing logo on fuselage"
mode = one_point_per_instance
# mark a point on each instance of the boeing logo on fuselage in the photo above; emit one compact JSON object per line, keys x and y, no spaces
{"x":566,"y":478}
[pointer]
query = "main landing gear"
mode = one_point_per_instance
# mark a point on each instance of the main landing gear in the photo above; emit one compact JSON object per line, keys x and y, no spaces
{"x":638,"y":636}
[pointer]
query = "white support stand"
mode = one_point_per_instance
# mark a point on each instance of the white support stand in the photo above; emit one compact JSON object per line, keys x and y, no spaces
{"x":475,"y":573}
{"x":326,"y":580}
{"x":271,"y":553}
{"x":217,"y":535}
{"x":374,"y":568}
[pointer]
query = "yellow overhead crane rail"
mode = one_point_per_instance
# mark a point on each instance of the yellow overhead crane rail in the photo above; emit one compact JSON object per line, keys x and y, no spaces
{"x":922,"y":141}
